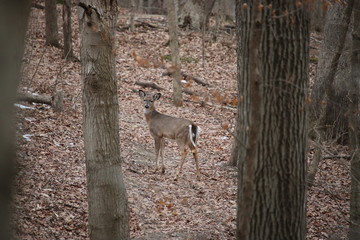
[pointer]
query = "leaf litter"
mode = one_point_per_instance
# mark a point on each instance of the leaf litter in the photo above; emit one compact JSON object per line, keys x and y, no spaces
{"x":50,"y":196}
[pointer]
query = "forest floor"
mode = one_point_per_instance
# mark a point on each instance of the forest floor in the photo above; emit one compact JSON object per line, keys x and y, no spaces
{"x":50,"y":199}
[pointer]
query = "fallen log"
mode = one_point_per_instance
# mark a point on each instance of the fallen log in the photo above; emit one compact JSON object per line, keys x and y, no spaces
{"x":38,"y":6}
{"x":149,"y":84}
{"x":188,"y":77}
{"x":138,"y":24}
{"x":154,"y":86}
{"x":29,"y":97}
{"x":189,"y":92}
{"x":55,"y":101}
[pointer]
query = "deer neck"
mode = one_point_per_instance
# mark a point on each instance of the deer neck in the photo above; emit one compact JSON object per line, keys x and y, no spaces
{"x":150,"y":113}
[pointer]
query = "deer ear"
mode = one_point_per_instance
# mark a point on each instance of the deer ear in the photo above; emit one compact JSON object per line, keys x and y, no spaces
{"x":142,"y":93}
{"x":157,"y":96}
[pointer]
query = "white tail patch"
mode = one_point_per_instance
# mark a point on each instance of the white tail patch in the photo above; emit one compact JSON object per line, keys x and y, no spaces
{"x":194,"y":135}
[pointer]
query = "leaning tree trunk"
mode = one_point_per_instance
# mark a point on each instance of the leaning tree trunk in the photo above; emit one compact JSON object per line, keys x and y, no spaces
{"x":273,"y":63}
{"x":329,"y":101}
{"x":13,"y":19}
{"x":174,"y":46}
{"x":108,"y":213}
{"x":354,"y":97}
{"x":51,"y":28}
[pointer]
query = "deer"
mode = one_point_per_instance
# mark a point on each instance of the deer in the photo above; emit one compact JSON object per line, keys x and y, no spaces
{"x":162,"y":126}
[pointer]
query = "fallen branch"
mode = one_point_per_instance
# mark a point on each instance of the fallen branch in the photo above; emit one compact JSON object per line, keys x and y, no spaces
{"x":344,"y":156}
{"x":188,"y":77}
{"x":154,"y":86}
{"x":55,"y":101}
{"x":189,"y":92}
{"x":29,"y":97}
{"x":149,"y":84}
{"x":38,"y":6}
{"x":315,"y":40}
{"x":138,"y":24}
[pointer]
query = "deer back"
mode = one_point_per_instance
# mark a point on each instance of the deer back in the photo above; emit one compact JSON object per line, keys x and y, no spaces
{"x":162,"y":125}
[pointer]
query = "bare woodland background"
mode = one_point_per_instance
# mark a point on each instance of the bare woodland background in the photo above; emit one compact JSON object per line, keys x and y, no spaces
{"x":50,"y":198}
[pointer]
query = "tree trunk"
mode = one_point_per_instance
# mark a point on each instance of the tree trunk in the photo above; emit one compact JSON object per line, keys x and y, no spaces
{"x":241,"y":123}
{"x":156,"y":7}
{"x":195,"y":11}
{"x":329,"y":101}
{"x":132,"y":15}
{"x":354,"y":97}
{"x":68,"y":49}
{"x":108,"y":212}
{"x":51,"y":28}
{"x":13,"y":23}
{"x":174,"y":46}
{"x":317,"y":16}
{"x":273,"y":66}
{"x":225,"y":9}
{"x":124,"y":3}
{"x":314,"y":165}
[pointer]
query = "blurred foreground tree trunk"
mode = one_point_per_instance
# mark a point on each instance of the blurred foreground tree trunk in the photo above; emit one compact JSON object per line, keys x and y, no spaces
{"x":108,"y":210}
{"x":354,"y":97}
{"x":13,"y":23}
{"x":51,"y":27}
{"x":273,"y":53}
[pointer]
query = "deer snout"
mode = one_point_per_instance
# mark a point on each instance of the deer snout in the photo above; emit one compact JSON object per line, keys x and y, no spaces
{"x":147,"y":106}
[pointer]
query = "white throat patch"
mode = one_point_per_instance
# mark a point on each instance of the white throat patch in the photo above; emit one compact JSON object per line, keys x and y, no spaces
{"x":147,"y":110}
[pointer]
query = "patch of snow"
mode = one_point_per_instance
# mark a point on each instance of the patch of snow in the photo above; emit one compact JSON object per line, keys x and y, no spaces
{"x":22,"y":106}
{"x":27,"y":137}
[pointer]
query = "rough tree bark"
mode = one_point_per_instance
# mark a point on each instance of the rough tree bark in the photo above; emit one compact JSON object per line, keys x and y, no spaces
{"x":13,"y":23}
{"x":354,"y":97}
{"x":273,"y":63}
{"x":174,"y":46}
{"x":51,"y":27}
{"x":240,"y":135}
{"x":108,"y":212}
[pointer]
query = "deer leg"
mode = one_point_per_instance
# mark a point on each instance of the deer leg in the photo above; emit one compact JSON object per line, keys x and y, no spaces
{"x":162,"y":144}
{"x":195,"y":154}
{"x":157,"y":151}
{"x":183,"y":152}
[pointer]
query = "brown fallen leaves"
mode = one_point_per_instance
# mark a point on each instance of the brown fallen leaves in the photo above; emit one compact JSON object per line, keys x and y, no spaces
{"x":50,"y":198}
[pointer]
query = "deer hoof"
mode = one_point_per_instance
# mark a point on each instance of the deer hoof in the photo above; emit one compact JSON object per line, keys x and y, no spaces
{"x":162,"y":170}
